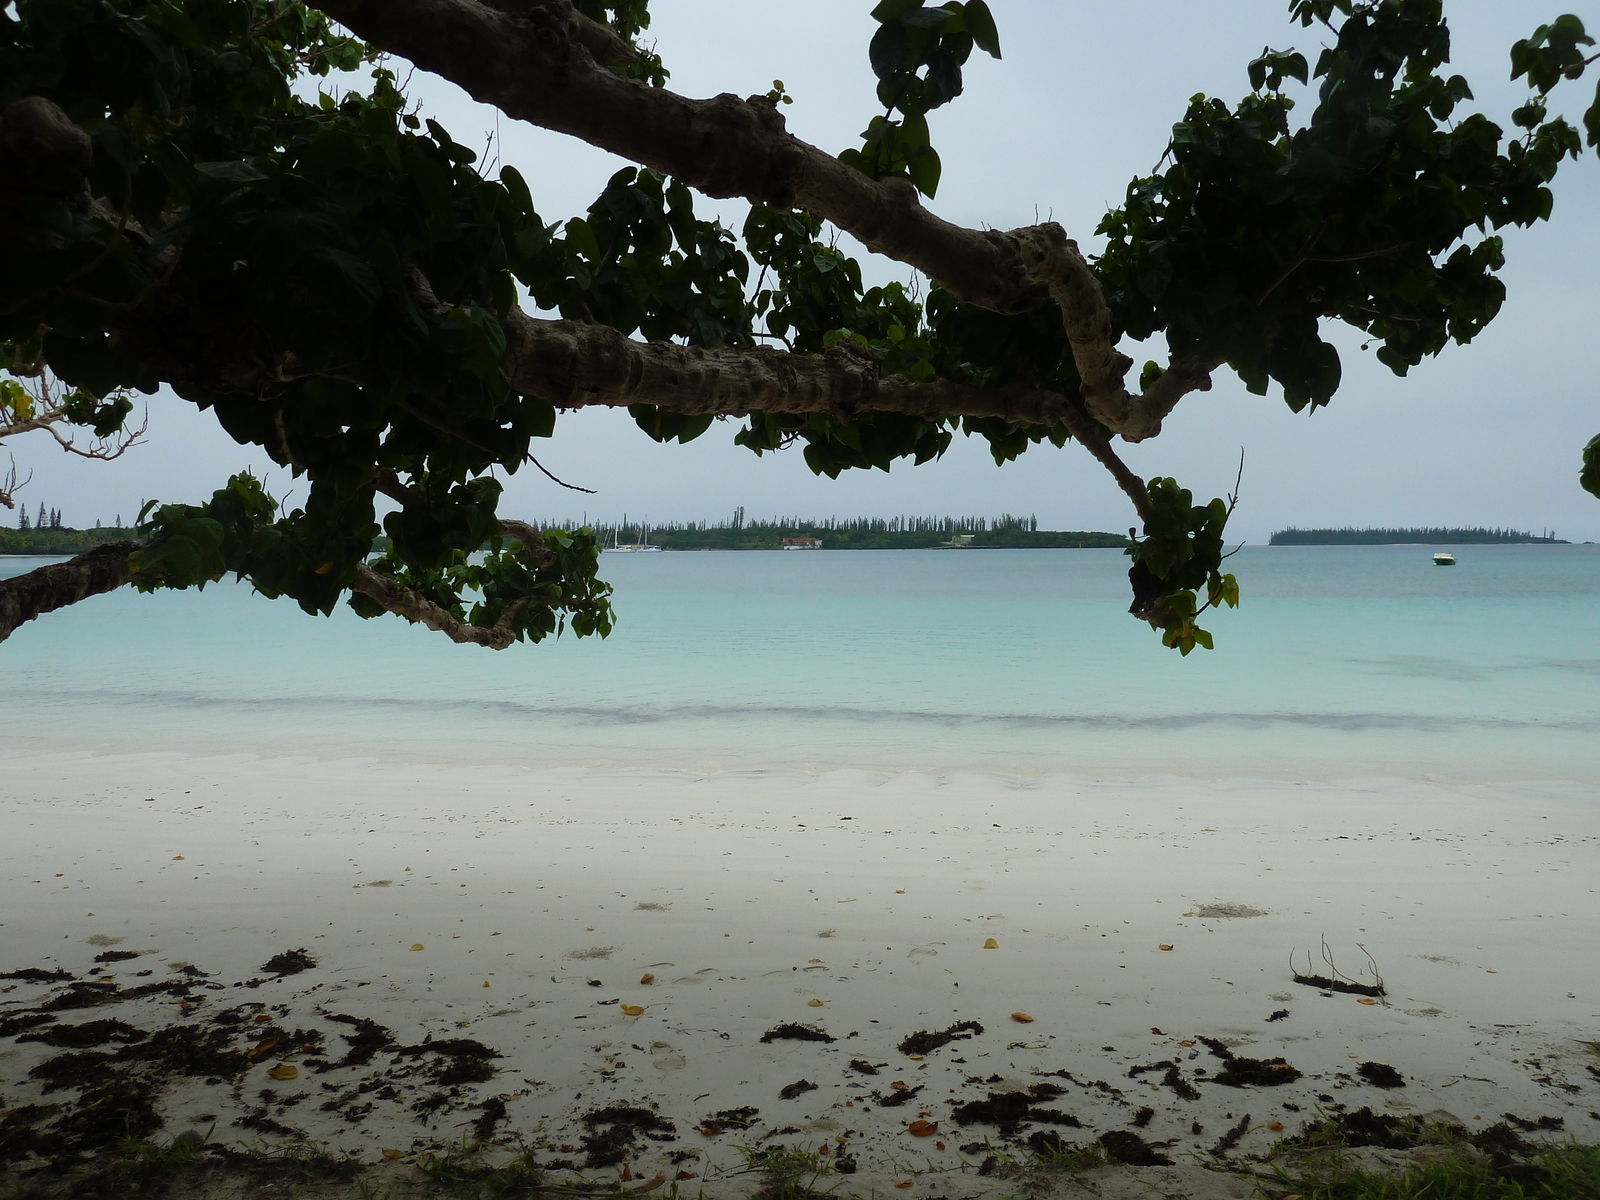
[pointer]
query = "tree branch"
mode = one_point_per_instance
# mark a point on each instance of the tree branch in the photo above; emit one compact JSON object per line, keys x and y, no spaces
{"x":576,"y":365}
{"x":536,"y":65}
{"x":419,"y":610}
{"x":572,"y":364}
{"x":45,"y":589}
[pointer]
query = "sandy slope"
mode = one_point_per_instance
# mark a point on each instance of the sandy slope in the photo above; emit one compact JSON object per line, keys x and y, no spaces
{"x":751,"y":896}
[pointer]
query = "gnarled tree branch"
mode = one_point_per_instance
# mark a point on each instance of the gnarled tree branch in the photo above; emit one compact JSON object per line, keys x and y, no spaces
{"x":534,"y":60}
{"x":45,"y":589}
{"x":576,"y":365}
{"x":418,"y":609}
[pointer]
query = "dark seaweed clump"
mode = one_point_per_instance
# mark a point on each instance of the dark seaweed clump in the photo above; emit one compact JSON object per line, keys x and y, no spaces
{"x":1381,"y":1075}
{"x":89,"y":1033}
{"x":289,"y":962}
{"x":796,"y":1033}
{"x":730,"y":1118}
{"x":1132,"y":1149}
{"x":1010,"y":1111}
{"x":369,"y":1038}
{"x":616,"y":1132}
{"x":925,"y":1041}
{"x":798,"y":1088}
{"x":1173,"y":1078}
{"x":460,"y":1060}
{"x":1243,"y":1072}
{"x":897,"y":1096}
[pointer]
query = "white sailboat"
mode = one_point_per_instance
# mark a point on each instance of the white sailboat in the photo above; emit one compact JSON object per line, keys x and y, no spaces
{"x":641,"y":547}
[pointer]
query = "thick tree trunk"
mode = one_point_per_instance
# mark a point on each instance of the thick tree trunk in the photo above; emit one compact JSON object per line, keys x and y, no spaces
{"x":103,"y":569}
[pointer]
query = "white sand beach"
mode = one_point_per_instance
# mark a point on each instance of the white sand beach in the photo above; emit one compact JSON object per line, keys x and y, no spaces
{"x":521,"y":911}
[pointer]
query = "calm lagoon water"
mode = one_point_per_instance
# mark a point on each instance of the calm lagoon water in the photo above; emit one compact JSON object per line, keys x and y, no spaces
{"x":1341,"y":662}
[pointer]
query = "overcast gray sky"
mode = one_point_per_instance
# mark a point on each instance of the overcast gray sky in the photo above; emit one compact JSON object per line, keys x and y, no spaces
{"x":1083,"y":101}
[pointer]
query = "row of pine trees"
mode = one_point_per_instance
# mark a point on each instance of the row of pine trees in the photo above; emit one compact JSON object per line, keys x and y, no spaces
{"x":49,"y":518}
{"x":44,"y":518}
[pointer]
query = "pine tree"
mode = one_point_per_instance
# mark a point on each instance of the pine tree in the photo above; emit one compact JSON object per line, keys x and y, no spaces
{"x":22,"y":521}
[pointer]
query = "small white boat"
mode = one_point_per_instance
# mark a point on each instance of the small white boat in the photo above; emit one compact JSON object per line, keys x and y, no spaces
{"x":1444,"y":559}
{"x":643,"y":547}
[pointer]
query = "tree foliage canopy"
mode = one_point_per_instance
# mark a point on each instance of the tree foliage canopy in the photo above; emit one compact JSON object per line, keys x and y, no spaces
{"x":338,"y":280}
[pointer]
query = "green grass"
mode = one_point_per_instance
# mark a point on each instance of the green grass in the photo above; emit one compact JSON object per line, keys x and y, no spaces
{"x":789,"y":1172}
{"x":1560,"y":1173}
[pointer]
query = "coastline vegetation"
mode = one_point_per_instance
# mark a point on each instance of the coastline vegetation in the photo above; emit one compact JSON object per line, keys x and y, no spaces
{"x":1435,"y":536}
{"x":855,"y":533}
{"x":60,"y":539}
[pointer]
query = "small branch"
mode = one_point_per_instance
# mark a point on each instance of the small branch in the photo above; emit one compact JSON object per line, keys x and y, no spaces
{"x":571,"y":487}
{"x":1083,"y":429}
{"x":419,"y":610}
{"x":531,"y":539}
{"x":10,"y":485}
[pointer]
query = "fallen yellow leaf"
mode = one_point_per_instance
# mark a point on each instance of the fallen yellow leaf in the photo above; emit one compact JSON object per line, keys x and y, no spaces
{"x":177,"y":858}
{"x":899,"y":891}
{"x":1164,"y":946}
{"x":485,"y":983}
{"x":1366,"y":1000}
{"x":922,"y":1128}
{"x":284,"y":1071}
{"x":813,"y":1003}
{"x":394,"y":1154}
{"x":1490,"y":971}
{"x":647,"y":978}
{"x":916,"y":1057}
{"x":904,"y":1183}
{"x":633,"y":1010}
{"x":899,"y":1085}
{"x":1275,"y":1126}
{"x":418,"y":946}
{"x":988,"y":944}
{"x":1022,"y":1018}
{"x":938,"y":1145}
{"x":1187,"y":1042}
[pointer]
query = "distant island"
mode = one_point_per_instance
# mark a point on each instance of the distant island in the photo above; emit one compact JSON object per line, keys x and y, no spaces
{"x":1411,"y":537}
{"x":1005,"y":532}
{"x":859,"y":533}
{"x":59,"y":539}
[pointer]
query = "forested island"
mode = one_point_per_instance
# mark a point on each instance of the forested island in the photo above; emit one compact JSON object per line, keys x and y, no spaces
{"x":1412,"y":537}
{"x":859,"y":533}
{"x":59,"y":539}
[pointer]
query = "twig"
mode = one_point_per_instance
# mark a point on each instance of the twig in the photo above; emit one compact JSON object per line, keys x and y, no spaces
{"x":570,"y":486}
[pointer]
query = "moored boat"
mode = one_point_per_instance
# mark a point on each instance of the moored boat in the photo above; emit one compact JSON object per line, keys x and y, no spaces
{"x":1444,"y":559}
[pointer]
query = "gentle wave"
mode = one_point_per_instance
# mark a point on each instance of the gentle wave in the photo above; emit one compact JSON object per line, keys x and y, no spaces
{"x":625,"y":715}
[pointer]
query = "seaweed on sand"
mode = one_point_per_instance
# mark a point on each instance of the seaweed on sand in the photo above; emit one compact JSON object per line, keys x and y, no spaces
{"x":1010,"y":1111}
{"x":616,"y":1130}
{"x":925,"y":1041}
{"x":792,"y":1032}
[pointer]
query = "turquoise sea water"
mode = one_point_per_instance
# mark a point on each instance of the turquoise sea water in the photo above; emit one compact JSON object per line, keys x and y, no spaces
{"x":1342,"y":661}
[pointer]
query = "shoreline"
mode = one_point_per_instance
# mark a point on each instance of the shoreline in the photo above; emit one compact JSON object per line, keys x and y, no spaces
{"x":748,"y":895}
